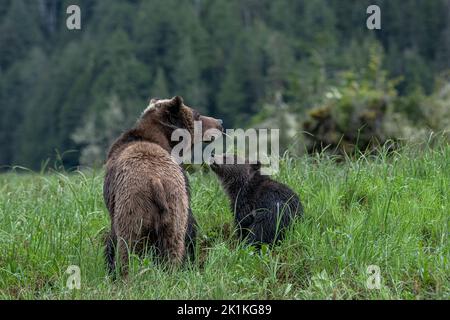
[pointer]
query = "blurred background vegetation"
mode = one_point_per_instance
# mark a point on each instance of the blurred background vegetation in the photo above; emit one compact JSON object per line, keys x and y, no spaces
{"x":300,"y":66}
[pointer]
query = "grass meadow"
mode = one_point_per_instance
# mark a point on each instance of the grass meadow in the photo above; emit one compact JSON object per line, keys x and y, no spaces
{"x":391,"y":211}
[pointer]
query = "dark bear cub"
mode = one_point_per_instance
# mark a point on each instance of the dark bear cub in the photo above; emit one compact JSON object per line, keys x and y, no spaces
{"x":263,"y":208}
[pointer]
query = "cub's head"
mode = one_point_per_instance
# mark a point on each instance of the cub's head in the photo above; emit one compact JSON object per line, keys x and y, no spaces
{"x":163,"y":116}
{"x":233,"y":169}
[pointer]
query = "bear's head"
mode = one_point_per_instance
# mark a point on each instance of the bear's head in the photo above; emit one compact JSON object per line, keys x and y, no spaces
{"x":232,"y":169}
{"x":163,"y":116}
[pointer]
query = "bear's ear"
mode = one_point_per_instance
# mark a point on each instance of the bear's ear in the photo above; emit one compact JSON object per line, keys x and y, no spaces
{"x":154,"y":100}
{"x":256,"y":166}
{"x":175,"y":104}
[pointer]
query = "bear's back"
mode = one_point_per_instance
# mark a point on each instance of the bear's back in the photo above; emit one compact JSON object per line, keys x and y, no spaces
{"x":132,"y":171}
{"x":145,"y":155}
{"x":141,"y":161}
{"x":273,"y":193}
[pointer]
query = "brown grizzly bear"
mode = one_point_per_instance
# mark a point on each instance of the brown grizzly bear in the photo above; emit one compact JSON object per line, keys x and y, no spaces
{"x":263,"y":208}
{"x":146,"y":191}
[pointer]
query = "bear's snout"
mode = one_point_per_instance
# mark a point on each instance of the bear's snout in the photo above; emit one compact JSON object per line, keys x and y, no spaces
{"x":211,"y":123}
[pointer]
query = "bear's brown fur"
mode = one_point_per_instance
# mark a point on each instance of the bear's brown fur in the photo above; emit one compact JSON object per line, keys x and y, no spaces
{"x":145,"y":190}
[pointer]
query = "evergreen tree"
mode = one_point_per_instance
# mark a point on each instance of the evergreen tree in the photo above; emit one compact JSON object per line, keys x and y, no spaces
{"x":187,"y":76}
{"x":226,"y":57}
{"x":159,"y":89}
{"x":19,"y":32}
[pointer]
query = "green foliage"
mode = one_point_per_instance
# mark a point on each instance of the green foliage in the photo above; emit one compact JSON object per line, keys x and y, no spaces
{"x":436,"y":109}
{"x":365,"y":111}
{"x":351,"y":115}
{"x":99,"y":131}
{"x":386,"y":211}
{"x":227,"y":58}
{"x":19,"y":31}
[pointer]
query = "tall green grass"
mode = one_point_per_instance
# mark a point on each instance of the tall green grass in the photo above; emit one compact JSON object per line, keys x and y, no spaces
{"x":386,"y":210}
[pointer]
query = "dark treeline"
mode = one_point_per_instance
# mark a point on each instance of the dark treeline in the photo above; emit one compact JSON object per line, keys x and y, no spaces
{"x":64,"y":90}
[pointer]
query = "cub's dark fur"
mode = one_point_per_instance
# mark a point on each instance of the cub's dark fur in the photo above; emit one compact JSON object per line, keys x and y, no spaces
{"x":263,"y":208}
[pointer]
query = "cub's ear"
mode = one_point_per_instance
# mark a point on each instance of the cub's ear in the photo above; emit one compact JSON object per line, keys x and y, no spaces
{"x":175,"y":104}
{"x":256,"y":166}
